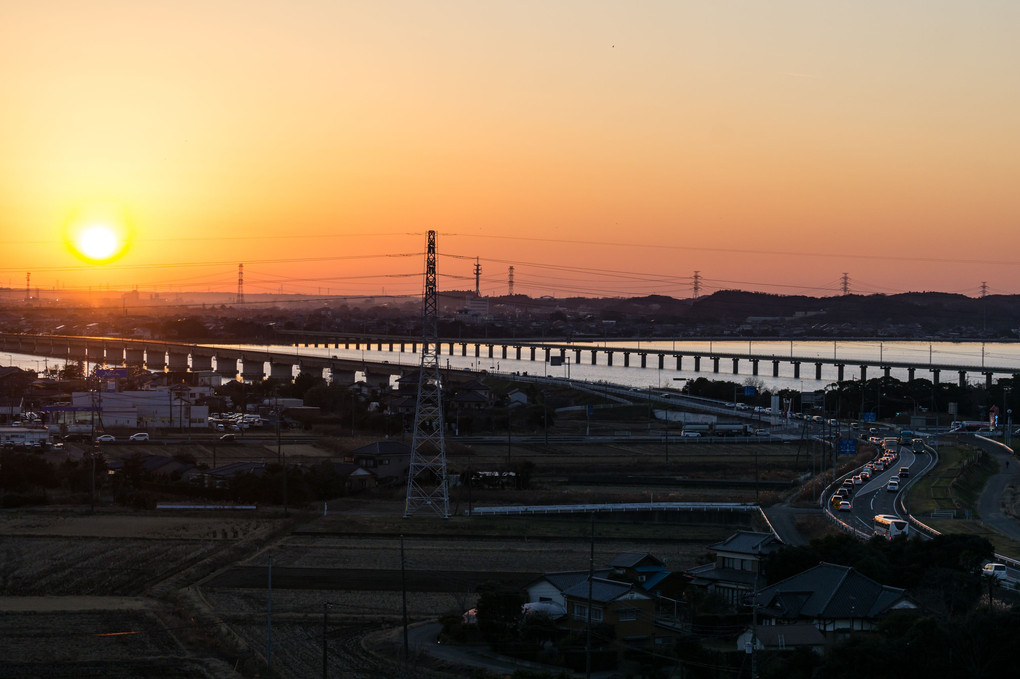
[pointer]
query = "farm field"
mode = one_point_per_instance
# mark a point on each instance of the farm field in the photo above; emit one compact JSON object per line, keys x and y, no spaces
{"x":145,"y":594}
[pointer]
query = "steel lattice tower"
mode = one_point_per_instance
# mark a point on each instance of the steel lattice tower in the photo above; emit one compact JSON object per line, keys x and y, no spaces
{"x":427,"y":486}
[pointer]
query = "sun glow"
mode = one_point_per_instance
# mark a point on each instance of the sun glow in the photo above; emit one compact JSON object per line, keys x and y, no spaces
{"x":98,"y":237}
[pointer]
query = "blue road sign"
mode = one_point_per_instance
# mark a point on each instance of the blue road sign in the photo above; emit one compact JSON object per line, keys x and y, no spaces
{"x":848,"y":446}
{"x":749,"y":390}
{"x":869,"y":417}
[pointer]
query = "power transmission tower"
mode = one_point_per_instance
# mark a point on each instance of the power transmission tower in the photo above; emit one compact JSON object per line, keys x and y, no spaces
{"x":240,"y":283}
{"x":697,"y":284}
{"x":478,"y":275}
{"x":510,"y":283}
{"x":28,"y":283}
{"x":845,"y":280}
{"x":984,"y":288}
{"x":426,"y":474}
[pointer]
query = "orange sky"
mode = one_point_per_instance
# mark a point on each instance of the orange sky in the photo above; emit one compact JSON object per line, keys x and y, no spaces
{"x":601,"y":148}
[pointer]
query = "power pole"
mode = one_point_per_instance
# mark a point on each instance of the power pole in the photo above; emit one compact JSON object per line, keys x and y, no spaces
{"x":510,"y":282}
{"x":697,"y":284}
{"x":427,"y":486}
{"x":478,"y":276}
{"x":28,"y":283}
{"x":240,"y":284}
{"x":846,"y":283}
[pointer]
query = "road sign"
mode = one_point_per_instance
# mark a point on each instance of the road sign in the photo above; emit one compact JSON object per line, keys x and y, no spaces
{"x":869,"y":417}
{"x":749,"y":390}
{"x":848,"y":446}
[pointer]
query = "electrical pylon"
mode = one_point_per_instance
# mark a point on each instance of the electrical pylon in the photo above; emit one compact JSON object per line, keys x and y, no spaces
{"x":427,"y":486}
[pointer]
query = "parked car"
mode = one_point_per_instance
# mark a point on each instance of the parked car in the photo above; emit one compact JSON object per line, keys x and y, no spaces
{"x":228,"y":437}
{"x":105,"y":438}
{"x":140,"y":436}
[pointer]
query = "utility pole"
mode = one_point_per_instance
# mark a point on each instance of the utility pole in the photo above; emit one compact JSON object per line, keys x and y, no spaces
{"x":845,"y":282}
{"x":240,"y":284}
{"x":510,"y":282}
{"x":478,"y":276}
{"x":697,"y":284}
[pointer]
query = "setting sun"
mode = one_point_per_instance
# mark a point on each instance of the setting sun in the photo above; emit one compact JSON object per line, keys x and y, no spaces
{"x":97,"y":242}
{"x":98,"y":234}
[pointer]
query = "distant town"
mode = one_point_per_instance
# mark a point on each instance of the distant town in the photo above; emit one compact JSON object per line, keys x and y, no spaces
{"x":256,"y":524}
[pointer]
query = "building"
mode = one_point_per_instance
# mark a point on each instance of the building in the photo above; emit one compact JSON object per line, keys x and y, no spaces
{"x":835,"y":599}
{"x":737,"y":566}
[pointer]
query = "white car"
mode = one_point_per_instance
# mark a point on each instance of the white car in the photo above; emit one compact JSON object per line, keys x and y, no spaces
{"x":690,"y":434}
{"x":140,"y":436}
{"x":996,"y":571}
{"x":106,"y":438}
{"x":893,"y":485}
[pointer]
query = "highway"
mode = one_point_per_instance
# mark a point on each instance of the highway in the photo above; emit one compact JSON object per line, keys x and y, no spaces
{"x":872,"y":498}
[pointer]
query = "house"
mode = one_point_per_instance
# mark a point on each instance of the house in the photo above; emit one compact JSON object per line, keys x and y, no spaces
{"x":737,"y":566}
{"x":387,"y":460}
{"x":649,"y":572}
{"x":621,"y":605}
{"x":549,"y":587}
{"x":783,"y":638}
{"x":516,"y":397}
{"x":355,"y":478}
{"x":835,"y":599}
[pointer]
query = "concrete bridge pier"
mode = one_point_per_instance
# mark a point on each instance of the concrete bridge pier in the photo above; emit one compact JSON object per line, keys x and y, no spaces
{"x":379,"y":380}
{"x":503,"y":351}
{"x":662,"y":361}
{"x":644,"y":360}
{"x":315,"y":370}
{"x":201,"y":362}
{"x":226,"y":367}
{"x":988,"y":380}
{"x":594,"y":356}
{"x":463,"y":349}
{"x":864,"y":373}
{"x":491,"y":355}
{"x":337,"y":376}
{"x":534,"y":351}
{"x":963,"y":378}
{"x":736,"y":366}
{"x":910,"y":374}
{"x":134,"y":357}
{"x":478,"y":351}
{"x":775,"y":368}
{"x":754,"y":367}
{"x":935,"y":375}
{"x":178,"y":361}
{"x":679,"y":361}
{"x":697,"y":364}
{"x":155,"y":359}
{"x":885,"y":371}
{"x":609,"y":358}
{"x":281,"y":371}
{"x":252,"y":369}
{"x":577,"y":357}
{"x":715,"y":364}
{"x":96,"y":353}
{"x":839,"y":372}
{"x":626,"y":359}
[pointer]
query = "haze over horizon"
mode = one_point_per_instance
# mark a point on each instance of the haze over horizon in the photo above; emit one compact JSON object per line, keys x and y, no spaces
{"x":599,"y":148}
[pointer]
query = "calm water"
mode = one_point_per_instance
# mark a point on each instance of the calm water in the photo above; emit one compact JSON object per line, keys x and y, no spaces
{"x":975,"y":354}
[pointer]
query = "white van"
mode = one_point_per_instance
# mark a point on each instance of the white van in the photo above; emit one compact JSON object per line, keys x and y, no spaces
{"x":996,"y":571}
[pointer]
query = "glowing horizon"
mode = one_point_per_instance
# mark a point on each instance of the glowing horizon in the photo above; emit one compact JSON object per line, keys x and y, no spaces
{"x":599,"y":149}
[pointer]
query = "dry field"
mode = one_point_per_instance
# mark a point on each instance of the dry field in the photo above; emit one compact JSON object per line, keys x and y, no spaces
{"x":160,"y":594}
{"x":184,"y":595}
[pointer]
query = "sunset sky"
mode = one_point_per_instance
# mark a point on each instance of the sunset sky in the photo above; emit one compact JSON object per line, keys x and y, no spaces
{"x":600,"y":148}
